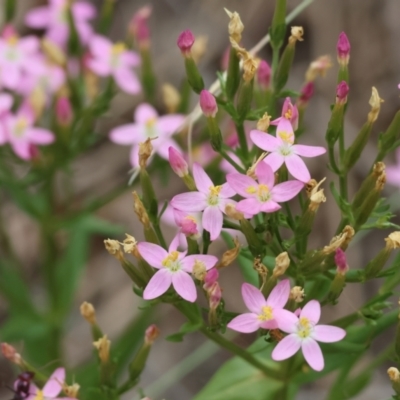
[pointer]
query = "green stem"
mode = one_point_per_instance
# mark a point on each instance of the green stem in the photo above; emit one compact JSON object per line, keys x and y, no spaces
{"x":160,"y":235}
{"x":231,"y":161}
{"x":242,"y":141}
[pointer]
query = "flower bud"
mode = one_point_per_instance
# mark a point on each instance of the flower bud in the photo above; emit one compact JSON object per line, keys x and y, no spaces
{"x":11,"y":354}
{"x":297,"y":294}
{"x":145,"y":150}
{"x":235,"y":27}
{"x":343,"y":49}
{"x":138,"y":27}
{"x":210,"y":278}
{"x":185,"y":42}
{"x":215,"y":295}
{"x":151,"y":334}
{"x":394,"y":374}
{"x":64,"y":112}
{"x":282,"y":262}
{"x":208,"y":104}
{"x":171,"y":97}
{"x":88,"y":312}
{"x":103,"y":348}
{"x":130,"y":246}
{"x":114,"y":248}
{"x":230,"y":255}
{"x":177,"y":162}
{"x":342,"y":91}
{"x":71,"y":391}
{"x":199,"y":270}
{"x":53,"y":52}
{"x":264,"y":122}
{"x":305,"y":94}
{"x":140,"y":211}
{"x":319,"y":67}
{"x":189,"y":226}
{"x":264,"y":75}
{"x":341,"y":262}
{"x":375,"y":103}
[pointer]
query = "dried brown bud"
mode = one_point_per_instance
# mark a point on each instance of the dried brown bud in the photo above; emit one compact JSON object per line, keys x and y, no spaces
{"x":103,"y":348}
{"x":263,"y":123}
{"x":71,"y":391}
{"x":342,"y":240}
{"x":393,"y":241}
{"x":235,"y":27}
{"x":380,"y":182}
{"x":130,"y":246}
{"x":261,"y":269}
{"x":297,"y":294}
{"x":199,"y":270}
{"x":88,"y":312}
{"x":296,"y":34}
{"x":230,"y":255}
{"x":140,"y":211}
{"x":319,"y":67}
{"x":378,"y":168}
{"x":145,"y":150}
{"x":171,"y":97}
{"x":282,"y":262}
{"x":53,"y":52}
{"x":230,"y":211}
{"x":375,"y":103}
{"x":250,"y":65}
{"x":114,"y":248}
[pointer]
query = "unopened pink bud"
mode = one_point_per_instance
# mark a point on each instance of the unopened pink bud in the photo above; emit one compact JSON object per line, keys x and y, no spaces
{"x":151,"y":334}
{"x":210,"y":278}
{"x":10,"y":353}
{"x":208,"y":104}
{"x":342,"y":91}
{"x":185,"y":41}
{"x":138,"y":26}
{"x":343,"y":49}
{"x":306,"y":93}
{"x":264,"y":74}
{"x":64,"y":111}
{"x":8,"y":32}
{"x":215,"y":295}
{"x":340,"y":261}
{"x":177,"y":162}
{"x":189,"y":227}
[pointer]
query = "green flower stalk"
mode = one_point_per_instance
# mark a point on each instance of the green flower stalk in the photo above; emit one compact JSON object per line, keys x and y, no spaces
{"x":388,"y":139}
{"x":88,"y":312}
{"x":143,"y":216}
{"x":107,"y":367}
{"x":278,"y":27}
{"x":209,"y":107}
{"x":245,"y":94}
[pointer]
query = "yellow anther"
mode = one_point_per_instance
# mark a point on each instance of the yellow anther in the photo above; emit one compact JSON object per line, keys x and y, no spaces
{"x":214,"y":190}
{"x":263,"y":192}
{"x":12,"y":40}
{"x":288,"y":114}
{"x":286,"y":136}
{"x":251,"y":190}
{"x":39,"y":395}
{"x":150,"y":122}
{"x":171,"y":258}
{"x":118,"y":48}
{"x":304,"y":328}
{"x":266,"y":314}
{"x":20,"y":126}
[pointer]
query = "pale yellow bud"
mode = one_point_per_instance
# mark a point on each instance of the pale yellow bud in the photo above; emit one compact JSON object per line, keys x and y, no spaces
{"x":250,"y":66}
{"x":296,"y":34}
{"x":282,"y":262}
{"x":264,"y":122}
{"x":393,"y":241}
{"x":230,"y":211}
{"x":230,"y":255}
{"x":341,"y":240}
{"x":103,"y":348}
{"x":130,"y":246}
{"x":38,"y":100}
{"x":235,"y":27}
{"x":378,"y":168}
{"x":145,"y":150}
{"x":53,"y":52}
{"x":297,"y":294}
{"x":88,"y":312}
{"x":380,"y":182}
{"x":72,"y":391}
{"x":199,"y":48}
{"x":199,"y":270}
{"x":10,"y":353}
{"x":349,"y":232}
{"x":394,"y":374}
{"x":319,"y":67}
{"x":171,"y":96}
{"x":375,"y":103}
{"x":114,"y":248}
{"x":140,"y":211}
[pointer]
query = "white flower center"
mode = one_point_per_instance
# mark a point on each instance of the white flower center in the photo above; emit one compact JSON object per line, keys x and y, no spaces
{"x":116,"y":52}
{"x":213,"y":196}
{"x":171,"y":262}
{"x":151,"y":128}
{"x":304,"y":328}
{"x":286,"y":149}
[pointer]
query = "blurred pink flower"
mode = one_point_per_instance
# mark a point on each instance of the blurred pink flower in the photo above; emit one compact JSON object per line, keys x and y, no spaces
{"x":54,"y":19}
{"x":304,"y":333}
{"x":114,"y":60}
{"x":393,"y":171}
{"x":148,"y":125}
{"x":290,"y":113}
{"x":262,"y":311}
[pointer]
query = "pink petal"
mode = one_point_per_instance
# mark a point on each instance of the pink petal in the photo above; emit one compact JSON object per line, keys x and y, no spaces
{"x":265,"y":141}
{"x":189,"y":261}
{"x":152,"y":253}
{"x":170,"y":124}
{"x":274,"y":160}
{"x":249,"y":206}
{"x":100,"y":47}
{"x":21,"y":149}
{"x":311,"y":311}
{"x":270,"y":206}
{"x":83,"y":10}
{"x":265,"y":175}
{"x":53,"y":386}
{"x":297,"y":168}
{"x":6,"y":102}
{"x":393,"y":175}
{"x":212,"y":221}
{"x":99,"y":66}
{"x":85,"y":31}
{"x":127,"y":80}
{"x":162,"y":148}
{"x":184,"y":285}
{"x":285,"y":130}
{"x":39,"y":17}
{"x":158,"y":284}
{"x":127,"y":134}
{"x":271,"y":324}
{"x":145,"y":112}
{"x":11,"y":76}
{"x":328,"y":333}
{"x":130,"y":59}
{"x":313,"y":354}
{"x":240,"y":184}
{"x":253,"y":298}
{"x":245,"y":323}
{"x":190,"y":202}
{"x":134,"y":155}
{"x":308,"y":151}
{"x":288,"y":346}
{"x":279,"y":294}
{"x":3,"y":135}
{"x":202,"y":180}
{"x":286,"y":191}
{"x":40,"y":136}
{"x":226,"y":191}
{"x":286,"y":320}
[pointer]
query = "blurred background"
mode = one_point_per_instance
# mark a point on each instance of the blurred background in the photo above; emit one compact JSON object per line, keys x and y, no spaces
{"x":374,"y":32}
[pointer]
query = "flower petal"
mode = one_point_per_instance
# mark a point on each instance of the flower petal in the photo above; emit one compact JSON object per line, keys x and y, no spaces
{"x":393,"y":175}
{"x":313,"y":354}
{"x":100,"y":46}
{"x":253,"y":298}
{"x":39,"y":17}
{"x":308,"y":151}
{"x":190,"y":201}
{"x":152,"y":253}
{"x":127,"y":80}
{"x":311,"y":311}
{"x":226,"y":191}
{"x":245,"y":323}
{"x":297,"y":168}
{"x":286,"y":320}
{"x":40,"y":135}
{"x":288,"y":346}
{"x":202,"y":180}
{"x":158,"y":284}
{"x":270,"y":206}
{"x":264,"y":140}
{"x":170,"y":124}
{"x":127,"y":134}
{"x":286,"y":191}
{"x":54,"y":385}
{"x":279,"y":294}
{"x":184,"y":285}
{"x":328,"y":333}
{"x":212,"y":221}
{"x":145,"y":112}
{"x":249,"y":206}
{"x":241,"y":183}
{"x":274,"y":160}
{"x":265,"y":175}
{"x":189,"y":261}
{"x":21,"y":149}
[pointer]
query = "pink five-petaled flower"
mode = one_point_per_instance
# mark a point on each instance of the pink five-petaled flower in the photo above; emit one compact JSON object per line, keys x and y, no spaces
{"x":289,"y":112}
{"x":262,"y":196}
{"x":51,"y":389}
{"x":54,"y":18}
{"x":283,"y":150}
{"x":212,"y":199}
{"x":148,"y":125}
{"x":263,"y":312}
{"x":304,"y":333}
{"x":19,"y":131}
{"x":114,"y":59}
{"x":173,"y":267}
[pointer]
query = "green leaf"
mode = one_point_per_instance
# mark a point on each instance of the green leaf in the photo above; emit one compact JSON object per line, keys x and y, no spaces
{"x":238,"y":380}
{"x":187,"y":327}
{"x":250,"y":275}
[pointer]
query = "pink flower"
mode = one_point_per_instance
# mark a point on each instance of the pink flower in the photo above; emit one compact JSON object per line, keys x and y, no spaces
{"x":262,"y":312}
{"x":209,"y":198}
{"x":51,"y":389}
{"x":393,"y":171}
{"x":343,"y":48}
{"x":304,"y":333}
{"x":265,"y":195}
{"x":283,"y":150}
{"x":290,"y":113}
{"x":54,"y":19}
{"x":306,"y":93}
{"x":148,"y":125}
{"x":114,"y":60}
{"x":18,"y":130}
{"x":18,"y":57}
{"x":177,"y":162}
{"x":264,"y":75}
{"x":185,"y":41}
{"x":174,"y":268}
{"x":138,"y":27}
{"x":208,"y":104}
